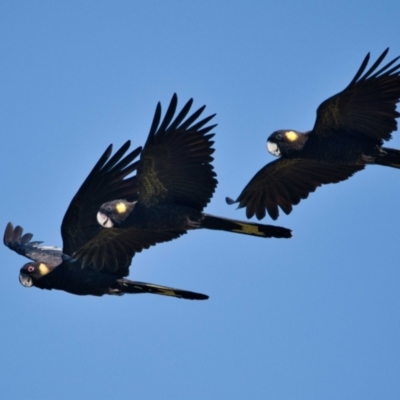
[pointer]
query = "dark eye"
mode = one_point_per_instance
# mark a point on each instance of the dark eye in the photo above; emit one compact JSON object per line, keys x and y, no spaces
{"x":108,"y":208}
{"x":31,"y":268}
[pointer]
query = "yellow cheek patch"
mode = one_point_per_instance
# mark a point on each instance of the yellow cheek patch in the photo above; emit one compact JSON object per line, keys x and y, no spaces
{"x":121,"y":208}
{"x":291,"y":136}
{"x":43,"y":269}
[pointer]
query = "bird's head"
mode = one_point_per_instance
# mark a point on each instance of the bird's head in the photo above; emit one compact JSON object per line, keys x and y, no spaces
{"x":284,"y":142}
{"x":114,"y":213}
{"x":32,"y":272}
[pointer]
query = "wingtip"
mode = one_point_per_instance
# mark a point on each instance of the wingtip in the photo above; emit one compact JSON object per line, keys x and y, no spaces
{"x":127,"y":144}
{"x":8,"y":233}
{"x":229,"y":201}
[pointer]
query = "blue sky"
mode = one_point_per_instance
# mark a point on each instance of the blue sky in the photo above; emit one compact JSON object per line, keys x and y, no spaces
{"x":313,"y":317}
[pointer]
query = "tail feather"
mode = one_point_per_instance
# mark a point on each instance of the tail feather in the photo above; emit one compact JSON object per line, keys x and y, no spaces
{"x":127,"y":286}
{"x":246,"y":228}
{"x":388,"y":157}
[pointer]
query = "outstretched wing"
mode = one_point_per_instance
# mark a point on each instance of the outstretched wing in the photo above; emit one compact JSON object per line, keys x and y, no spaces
{"x":112,"y":249}
{"x":93,"y":247}
{"x":22,"y":244}
{"x":107,"y":181}
{"x":284,"y":182}
{"x":175,"y":164}
{"x":367,"y":106}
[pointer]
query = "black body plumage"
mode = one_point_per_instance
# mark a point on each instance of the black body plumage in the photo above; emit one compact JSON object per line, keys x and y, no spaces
{"x":348,"y":134}
{"x":176,"y":180}
{"x":93,"y":261}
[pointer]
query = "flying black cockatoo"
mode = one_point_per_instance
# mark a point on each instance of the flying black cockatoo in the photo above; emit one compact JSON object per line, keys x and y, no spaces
{"x":176,"y":180}
{"x":348,"y":134}
{"x":93,"y":261}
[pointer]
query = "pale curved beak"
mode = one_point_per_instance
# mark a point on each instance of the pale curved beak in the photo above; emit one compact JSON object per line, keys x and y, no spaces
{"x":104,"y":221}
{"x":273,"y":149}
{"x":25,"y":280}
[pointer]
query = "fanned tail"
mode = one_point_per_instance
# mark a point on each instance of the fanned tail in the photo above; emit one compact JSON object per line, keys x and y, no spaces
{"x":245,"y":228}
{"x":127,"y":286}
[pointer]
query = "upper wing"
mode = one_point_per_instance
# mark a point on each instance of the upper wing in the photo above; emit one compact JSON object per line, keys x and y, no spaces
{"x":284,"y":182}
{"x":104,"y":183}
{"x":14,"y":240}
{"x":112,"y":249}
{"x":367,"y":106}
{"x":175,"y":164}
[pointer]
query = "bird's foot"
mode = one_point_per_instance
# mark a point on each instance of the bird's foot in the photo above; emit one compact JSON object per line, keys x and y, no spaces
{"x":368,"y":159}
{"x":193,"y":224}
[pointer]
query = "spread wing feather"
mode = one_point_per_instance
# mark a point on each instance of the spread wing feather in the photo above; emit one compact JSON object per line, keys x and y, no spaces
{"x":107,"y":181}
{"x":108,"y":250}
{"x":367,"y":106}
{"x":23,"y":245}
{"x":285,"y":182}
{"x":112,"y":250}
{"x":175,"y":164}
